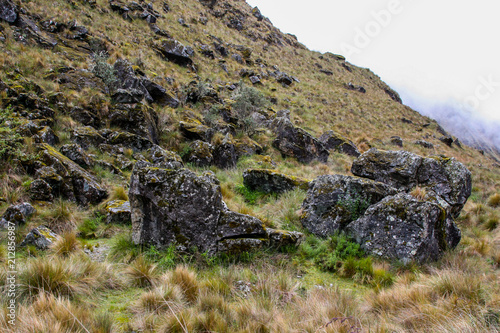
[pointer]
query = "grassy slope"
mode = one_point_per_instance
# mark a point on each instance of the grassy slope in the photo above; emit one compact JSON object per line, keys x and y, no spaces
{"x":460,"y":293}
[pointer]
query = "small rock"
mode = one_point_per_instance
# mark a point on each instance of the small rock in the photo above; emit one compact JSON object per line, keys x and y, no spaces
{"x":17,"y":215}
{"x":118,"y":212}
{"x":41,"y":237}
{"x":397,"y":141}
{"x":272,"y":181}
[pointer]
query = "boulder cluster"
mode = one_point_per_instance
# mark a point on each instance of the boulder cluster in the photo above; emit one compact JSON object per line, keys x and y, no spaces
{"x":400,"y":206}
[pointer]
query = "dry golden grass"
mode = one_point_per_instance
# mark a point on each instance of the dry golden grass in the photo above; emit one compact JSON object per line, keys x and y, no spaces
{"x":66,"y":245}
{"x":141,"y":273}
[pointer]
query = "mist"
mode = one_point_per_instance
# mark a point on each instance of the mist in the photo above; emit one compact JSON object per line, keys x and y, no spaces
{"x":469,"y":126}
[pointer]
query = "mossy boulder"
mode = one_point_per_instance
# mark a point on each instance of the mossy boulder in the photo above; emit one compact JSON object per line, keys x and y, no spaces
{"x":139,"y":119}
{"x":200,"y":153}
{"x":335,"y":141}
{"x":75,"y":153}
{"x":193,"y":129}
{"x":17,"y":215}
{"x":118,"y":212}
{"x":87,"y":137}
{"x":163,"y":158}
{"x":334,"y":201}
{"x":225,"y":155}
{"x":41,"y":237}
{"x":295,"y":142}
{"x":40,"y":190}
{"x":272,"y":181}
{"x":68,"y":178}
{"x":175,"y":206}
{"x":402,"y":228}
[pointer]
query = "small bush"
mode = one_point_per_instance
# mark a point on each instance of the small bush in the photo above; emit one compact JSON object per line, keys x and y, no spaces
{"x":118,"y":193}
{"x":141,"y":273}
{"x":103,"y":70}
{"x":246,"y":101}
{"x":88,"y":228}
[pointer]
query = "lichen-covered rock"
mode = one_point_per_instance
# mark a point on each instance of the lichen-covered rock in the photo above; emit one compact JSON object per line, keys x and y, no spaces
{"x":193,"y":129}
{"x":8,"y":11}
{"x":46,"y":135}
{"x":272,"y":181}
{"x":139,"y":119}
{"x":395,"y":168}
{"x":247,"y":148}
{"x":75,"y":153}
{"x":239,"y":245}
{"x":40,"y":190}
{"x":200,"y":153}
{"x":334,"y":201}
{"x":424,"y":144}
{"x":174,"y":206}
{"x":225,"y":156}
{"x":118,"y":212}
{"x":401,"y":227}
{"x":234,"y":225}
{"x":338,"y":142}
{"x":41,"y":237}
{"x":17,"y":215}
{"x":295,"y":142}
{"x":174,"y":51}
{"x":87,"y":136}
{"x":163,"y":158}
{"x":129,"y":140}
{"x":446,"y":177}
{"x":397,"y":141}
{"x":283,"y":238}
{"x":70,"y":179}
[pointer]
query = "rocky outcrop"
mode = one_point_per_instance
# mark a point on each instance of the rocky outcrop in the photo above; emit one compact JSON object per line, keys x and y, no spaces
{"x":200,"y":154}
{"x":271,"y":181}
{"x":446,"y":177}
{"x":140,"y":120}
{"x":67,"y":178}
{"x":295,"y":142}
{"x":334,"y":201}
{"x":335,"y":141}
{"x":174,"y":51}
{"x":8,"y":11}
{"x":193,"y":129}
{"x":75,"y":153}
{"x":175,"y":206}
{"x":403,"y":228}
{"x":41,"y":237}
{"x":17,"y":215}
{"x":225,"y":156}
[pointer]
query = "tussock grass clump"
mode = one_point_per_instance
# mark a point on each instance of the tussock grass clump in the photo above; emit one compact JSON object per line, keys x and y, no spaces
{"x":419,"y":193}
{"x":61,"y":216}
{"x":186,"y":279}
{"x":118,"y":193}
{"x":123,"y":248}
{"x":141,"y":273}
{"x":65,"y":277}
{"x":48,"y":313}
{"x":162,"y":299}
{"x":66,"y":244}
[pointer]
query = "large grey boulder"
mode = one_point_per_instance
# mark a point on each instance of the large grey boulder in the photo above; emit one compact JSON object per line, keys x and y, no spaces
{"x":334,"y":201}
{"x":445,"y":177}
{"x":295,"y":142}
{"x":403,"y":228}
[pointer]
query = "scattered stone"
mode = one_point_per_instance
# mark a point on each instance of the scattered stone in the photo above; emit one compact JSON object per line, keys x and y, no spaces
{"x":174,"y":51}
{"x":424,"y":144}
{"x":351,"y":86}
{"x":8,"y":11}
{"x":272,"y":181}
{"x":40,"y":190}
{"x":255,"y":79}
{"x":447,"y":140}
{"x":118,"y":212}
{"x":397,"y":141}
{"x":41,"y":237}
{"x":16,"y":215}
{"x":295,"y":142}
{"x":338,"y":142}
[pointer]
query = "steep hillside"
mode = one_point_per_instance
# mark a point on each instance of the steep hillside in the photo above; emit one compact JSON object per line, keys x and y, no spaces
{"x":120,"y":117}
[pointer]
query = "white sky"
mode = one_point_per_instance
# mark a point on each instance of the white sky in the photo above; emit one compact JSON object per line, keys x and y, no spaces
{"x":428,"y":50}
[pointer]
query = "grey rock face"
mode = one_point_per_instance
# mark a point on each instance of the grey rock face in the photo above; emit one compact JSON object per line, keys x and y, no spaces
{"x":334,"y":201}
{"x":41,"y":237}
{"x":395,"y":168}
{"x":225,"y":155}
{"x":174,"y":51}
{"x":401,"y":227}
{"x":41,"y":190}
{"x":271,"y":181}
{"x":75,"y":153}
{"x":295,"y":142}
{"x":340,"y":143}
{"x":201,"y":153}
